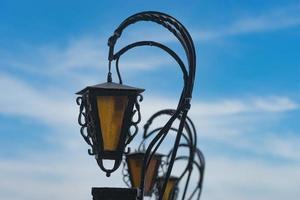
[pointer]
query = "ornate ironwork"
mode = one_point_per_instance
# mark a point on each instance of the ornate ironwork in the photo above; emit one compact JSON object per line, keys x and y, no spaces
{"x":85,"y":120}
{"x":134,"y":123}
{"x":194,"y":159}
{"x":180,"y":32}
{"x":125,"y":173}
{"x":89,"y":120}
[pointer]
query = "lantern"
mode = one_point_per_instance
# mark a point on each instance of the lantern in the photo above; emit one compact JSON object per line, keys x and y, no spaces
{"x":135,"y":165}
{"x":171,"y":188}
{"x":107,"y":110}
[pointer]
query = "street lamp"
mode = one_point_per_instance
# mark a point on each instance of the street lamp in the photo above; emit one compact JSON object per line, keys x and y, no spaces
{"x":194,"y":159}
{"x":106,"y":110}
{"x":135,"y":164}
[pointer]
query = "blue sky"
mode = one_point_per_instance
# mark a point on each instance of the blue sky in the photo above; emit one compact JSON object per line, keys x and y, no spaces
{"x":245,"y":106}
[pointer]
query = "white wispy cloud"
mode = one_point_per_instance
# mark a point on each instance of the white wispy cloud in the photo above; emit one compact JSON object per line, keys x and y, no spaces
{"x":239,"y":123}
{"x":87,"y":54}
{"x":58,"y":176}
{"x":230,"y":106}
{"x":284,"y":145}
{"x":52,"y":176}
{"x":24,"y":99}
{"x":227,"y":120}
{"x":21,"y":99}
{"x":270,"y":20}
{"x":250,"y":179}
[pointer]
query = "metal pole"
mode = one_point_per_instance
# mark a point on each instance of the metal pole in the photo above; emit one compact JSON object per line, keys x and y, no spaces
{"x":114,"y":193}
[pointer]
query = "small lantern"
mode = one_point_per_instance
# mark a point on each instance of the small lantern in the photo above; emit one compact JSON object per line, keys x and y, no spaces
{"x":171,"y":188}
{"x":107,"y":110}
{"x":135,"y":165}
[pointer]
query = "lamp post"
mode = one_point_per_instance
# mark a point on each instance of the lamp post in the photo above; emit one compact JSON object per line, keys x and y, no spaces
{"x":106,"y":110}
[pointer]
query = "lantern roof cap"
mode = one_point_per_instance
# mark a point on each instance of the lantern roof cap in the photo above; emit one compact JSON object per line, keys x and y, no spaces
{"x":142,"y":154}
{"x":112,"y":86}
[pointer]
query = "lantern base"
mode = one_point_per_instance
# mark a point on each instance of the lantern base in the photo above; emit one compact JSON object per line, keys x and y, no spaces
{"x":114,"y":193}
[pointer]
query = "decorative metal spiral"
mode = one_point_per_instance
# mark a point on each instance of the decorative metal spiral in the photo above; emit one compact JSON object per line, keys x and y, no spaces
{"x":86,"y":122}
{"x":134,"y":124}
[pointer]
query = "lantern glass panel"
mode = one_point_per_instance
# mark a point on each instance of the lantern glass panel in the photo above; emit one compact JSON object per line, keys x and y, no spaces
{"x":170,"y":187}
{"x":111,"y":111}
{"x":169,"y":190}
{"x":135,"y":165}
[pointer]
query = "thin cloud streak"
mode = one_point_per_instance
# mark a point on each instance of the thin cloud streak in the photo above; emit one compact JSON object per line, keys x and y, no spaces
{"x":21,"y":99}
{"x":250,"y":179}
{"x":25,"y":100}
{"x":273,"y":20}
{"x":63,"y":174}
{"x":89,"y":53}
{"x":85,"y":54}
{"x":270,"y":20}
{"x":227,"y":115}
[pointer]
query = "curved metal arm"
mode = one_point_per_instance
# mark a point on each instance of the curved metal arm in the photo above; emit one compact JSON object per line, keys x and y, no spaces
{"x":200,"y":165}
{"x":187,"y":138}
{"x":149,"y":43}
{"x":201,"y":169}
{"x":189,"y":124}
{"x":185,"y":39}
{"x":202,"y":161}
{"x":189,"y":135}
{"x":173,"y":26}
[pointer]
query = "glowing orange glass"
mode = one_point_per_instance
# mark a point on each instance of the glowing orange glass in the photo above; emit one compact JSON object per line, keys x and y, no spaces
{"x":111,"y":111}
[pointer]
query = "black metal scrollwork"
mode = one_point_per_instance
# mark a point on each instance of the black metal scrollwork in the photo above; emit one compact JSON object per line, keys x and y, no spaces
{"x":125,"y":174}
{"x":86,"y":122}
{"x":134,"y":124}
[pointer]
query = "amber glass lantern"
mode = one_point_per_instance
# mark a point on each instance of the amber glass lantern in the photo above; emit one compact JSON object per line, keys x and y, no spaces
{"x":135,"y":165}
{"x":171,"y":188}
{"x":107,"y":110}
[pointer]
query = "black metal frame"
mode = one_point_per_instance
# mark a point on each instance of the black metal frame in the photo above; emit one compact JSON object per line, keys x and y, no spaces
{"x":180,"y":32}
{"x":91,"y":130}
{"x":200,"y":166}
{"x":114,"y":193}
{"x":195,"y":157}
